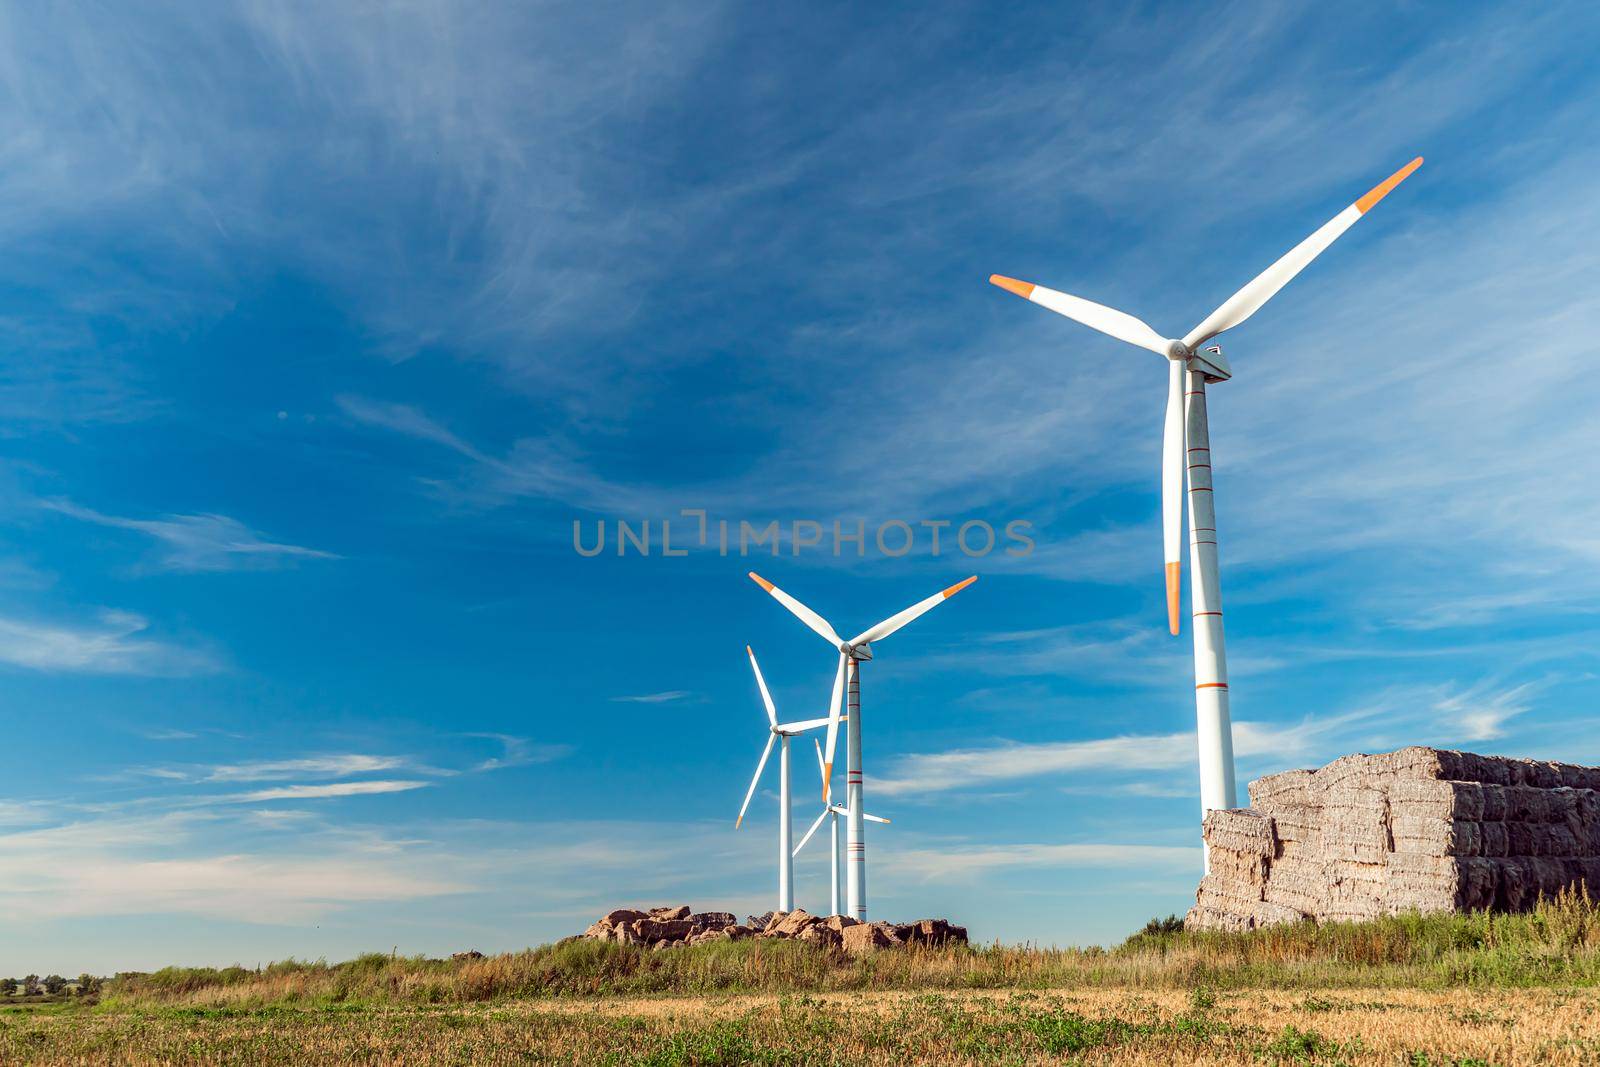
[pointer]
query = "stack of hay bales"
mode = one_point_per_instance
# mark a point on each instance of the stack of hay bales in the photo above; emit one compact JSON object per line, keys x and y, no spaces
{"x":1421,"y":829}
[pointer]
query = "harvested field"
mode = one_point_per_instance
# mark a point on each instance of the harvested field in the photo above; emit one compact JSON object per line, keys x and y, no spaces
{"x":1101,"y":1026}
{"x":1442,"y":989}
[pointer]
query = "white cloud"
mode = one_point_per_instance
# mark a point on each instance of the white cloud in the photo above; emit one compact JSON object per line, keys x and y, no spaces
{"x":519,"y":752}
{"x":1481,"y":713}
{"x":1441,"y":715}
{"x":318,"y":792}
{"x":334,"y":766}
{"x":198,"y":542}
{"x":168,"y":734}
{"x":112,"y":647}
{"x":654,"y":698}
{"x":166,"y":865}
{"x":958,"y":862}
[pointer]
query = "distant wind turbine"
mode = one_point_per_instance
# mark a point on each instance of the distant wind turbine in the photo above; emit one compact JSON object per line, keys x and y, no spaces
{"x":831,"y":812}
{"x":1187,"y":443}
{"x":778,"y":732}
{"x":852,"y":654}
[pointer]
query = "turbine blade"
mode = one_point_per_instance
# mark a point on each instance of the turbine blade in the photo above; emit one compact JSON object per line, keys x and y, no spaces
{"x":822,"y":766}
{"x":833,"y":726}
{"x":800,"y":611}
{"x":805,"y":724}
{"x":921,"y":607}
{"x":766,"y":697}
{"x":809,"y":832}
{"x":752,"y":790}
{"x":874,"y":818}
{"x":1118,"y":324}
{"x":1172,"y":471}
{"x":1247,"y":301}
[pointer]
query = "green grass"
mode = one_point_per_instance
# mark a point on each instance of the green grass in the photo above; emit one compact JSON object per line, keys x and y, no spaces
{"x":1558,"y":943}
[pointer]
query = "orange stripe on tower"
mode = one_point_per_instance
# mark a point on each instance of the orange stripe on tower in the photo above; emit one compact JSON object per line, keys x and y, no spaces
{"x":1022,"y":289}
{"x":1385,"y":187}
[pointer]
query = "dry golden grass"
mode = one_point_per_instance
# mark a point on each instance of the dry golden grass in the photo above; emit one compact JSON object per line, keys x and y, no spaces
{"x":1098,"y":1026}
{"x":1450,"y":989}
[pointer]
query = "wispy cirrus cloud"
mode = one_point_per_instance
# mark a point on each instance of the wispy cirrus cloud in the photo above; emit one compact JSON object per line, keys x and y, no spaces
{"x":664,"y":697}
{"x":322,"y":792}
{"x":1444,"y":714}
{"x":177,"y":864}
{"x":113,"y":645}
{"x":518,"y":752}
{"x":956,"y":861}
{"x":1482,"y":712}
{"x":198,"y":542}
{"x":514,"y":752}
{"x":333,"y":766}
{"x":168,"y":734}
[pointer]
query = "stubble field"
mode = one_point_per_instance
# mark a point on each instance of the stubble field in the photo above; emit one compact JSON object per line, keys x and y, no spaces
{"x":1469,"y":989}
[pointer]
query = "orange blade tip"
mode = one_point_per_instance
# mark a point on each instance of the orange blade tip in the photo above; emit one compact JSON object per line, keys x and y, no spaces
{"x":737,"y":821}
{"x":762,"y":582}
{"x":954,"y":589}
{"x":1022,"y":289}
{"x":1174,"y":570}
{"x":1385,"y":187}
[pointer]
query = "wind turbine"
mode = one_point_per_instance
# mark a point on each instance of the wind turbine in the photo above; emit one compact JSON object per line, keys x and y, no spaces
{"x":831,"y":812}
{"x":852,"y":654}
{"x":779,"y":732}
{"x":1187,"y":443}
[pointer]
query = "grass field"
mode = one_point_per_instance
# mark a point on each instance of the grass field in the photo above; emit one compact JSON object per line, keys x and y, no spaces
{"x":1471,"y":989}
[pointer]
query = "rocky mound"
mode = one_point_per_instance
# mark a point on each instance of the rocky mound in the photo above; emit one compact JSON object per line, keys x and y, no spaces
{"x":1421,"y":829}
{"x":660,"y":928}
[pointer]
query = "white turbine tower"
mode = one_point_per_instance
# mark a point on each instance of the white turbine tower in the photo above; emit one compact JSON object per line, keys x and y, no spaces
{"x":1187,"y":443}
{"x":852,"y":654}
{"x":831,"y":812}
{"x":778,"y":732}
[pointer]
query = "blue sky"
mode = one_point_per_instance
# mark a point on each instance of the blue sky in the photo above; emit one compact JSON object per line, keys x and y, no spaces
{"x":321,"y":327}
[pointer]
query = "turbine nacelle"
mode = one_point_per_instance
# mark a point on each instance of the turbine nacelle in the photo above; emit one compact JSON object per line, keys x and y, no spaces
{"x":1209,"y":362}
{"x":863,"y":651}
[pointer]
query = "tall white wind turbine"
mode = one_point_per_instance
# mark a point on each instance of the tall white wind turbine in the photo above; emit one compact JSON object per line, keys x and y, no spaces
{"x":832,"y":812}
{"x":852,"y":654}
{"x":779,"y":732}
{"x":1187,"y":444}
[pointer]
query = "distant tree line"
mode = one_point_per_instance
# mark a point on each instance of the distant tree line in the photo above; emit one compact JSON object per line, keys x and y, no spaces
{"x":50,"y":985}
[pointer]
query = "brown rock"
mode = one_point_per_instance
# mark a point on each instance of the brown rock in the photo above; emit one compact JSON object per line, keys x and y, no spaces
{"x":662,"y":929}
{"x":866,"y":937}
{"x":470,"y":954}
{"x":839,"y":922}
{"x":621,"y":915}
{"x":680,"y":912}
{"x":933,"y":932}
{"x":820,"y":933}
{"x":714,"y":920}
{"x":791,"y":924}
